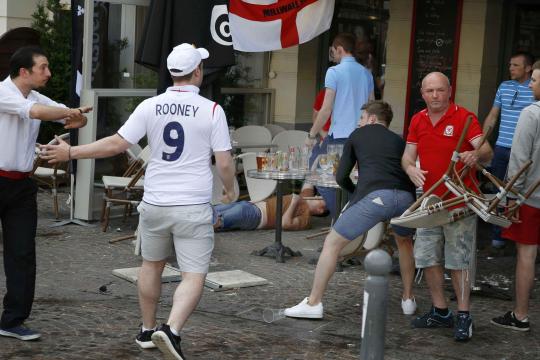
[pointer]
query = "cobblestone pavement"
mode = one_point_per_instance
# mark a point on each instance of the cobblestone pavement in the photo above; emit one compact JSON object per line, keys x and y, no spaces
{"x":78,"y":321}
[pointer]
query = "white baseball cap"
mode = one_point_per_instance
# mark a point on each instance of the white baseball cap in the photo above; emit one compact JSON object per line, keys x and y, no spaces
{"x":184,"y":58}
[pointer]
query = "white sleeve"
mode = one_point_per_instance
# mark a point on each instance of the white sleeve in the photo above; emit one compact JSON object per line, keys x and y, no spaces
{"x":134,"y":128}
{"x":220,"y":131}
{"x":15,"y":105}
{"x":44,"y":100}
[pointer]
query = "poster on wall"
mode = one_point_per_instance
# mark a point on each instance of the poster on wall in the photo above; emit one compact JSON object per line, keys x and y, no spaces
{"x":434,"y":47}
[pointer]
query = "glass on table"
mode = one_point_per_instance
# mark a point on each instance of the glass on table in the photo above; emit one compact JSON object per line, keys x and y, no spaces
{"x":304,"y":158}
{"x":283,"y":161}
{"x":323,"y":163}
{"x":261,"y":161}
{"x":339,"y":149}
{"x":271,"y":161}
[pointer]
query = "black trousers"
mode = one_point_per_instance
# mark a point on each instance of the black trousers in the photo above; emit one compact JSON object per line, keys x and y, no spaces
{"x":18,"y":213}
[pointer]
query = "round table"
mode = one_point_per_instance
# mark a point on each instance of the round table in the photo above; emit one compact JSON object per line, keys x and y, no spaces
{"x":277,"y":250}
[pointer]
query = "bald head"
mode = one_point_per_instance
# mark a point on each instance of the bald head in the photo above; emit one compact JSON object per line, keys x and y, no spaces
{"x":436,"y":92}
{"x":437,"y":76}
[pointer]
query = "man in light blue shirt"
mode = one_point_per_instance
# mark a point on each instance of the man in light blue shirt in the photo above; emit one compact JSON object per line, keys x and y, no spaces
{"x":512,"y":96}
{"x":349,"y":86}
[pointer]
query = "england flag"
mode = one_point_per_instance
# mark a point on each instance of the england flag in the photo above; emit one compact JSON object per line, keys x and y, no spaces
{"x":266,"y":25}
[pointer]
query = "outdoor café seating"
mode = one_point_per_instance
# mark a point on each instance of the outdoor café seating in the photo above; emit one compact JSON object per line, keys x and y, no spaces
{"x":51,"y":176}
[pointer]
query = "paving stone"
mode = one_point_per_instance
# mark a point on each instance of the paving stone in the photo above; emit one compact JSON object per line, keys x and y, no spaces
{"x":78,"y":321}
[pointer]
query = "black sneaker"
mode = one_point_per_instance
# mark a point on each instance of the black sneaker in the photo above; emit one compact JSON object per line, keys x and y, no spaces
{"x":144,"y":339}
{"x":464,"y":327}
{"x":509,"y":321}
{"x":168,"y":343}
{"x":433,"y":320}
{"x":20,"y":332}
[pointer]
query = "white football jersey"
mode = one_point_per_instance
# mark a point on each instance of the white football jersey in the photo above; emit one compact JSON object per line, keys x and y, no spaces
{"x":183,"y":130}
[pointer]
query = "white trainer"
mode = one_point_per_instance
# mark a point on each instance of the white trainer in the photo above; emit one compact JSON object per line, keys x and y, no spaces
{"x":408,"y":306}
{"x":304,"y":310}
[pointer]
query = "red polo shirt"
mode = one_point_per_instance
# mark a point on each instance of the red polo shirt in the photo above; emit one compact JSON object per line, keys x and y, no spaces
{"x":436,"y":143}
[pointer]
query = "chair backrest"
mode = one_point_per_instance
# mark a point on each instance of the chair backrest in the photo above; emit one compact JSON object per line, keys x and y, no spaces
{"x":290,"y":137}
{"x":369,"y":240}
{"x":217,"y":188}
{"x":140,"y":160}
{"x":133,"y":152}
{"x":39,"y":162}
{"x":252,"y":134}
{"x":274,"y":129}
{"x":258,"y":189}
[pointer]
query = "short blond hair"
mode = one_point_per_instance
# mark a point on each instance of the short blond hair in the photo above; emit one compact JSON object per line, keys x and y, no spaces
{"x":536,"y":65}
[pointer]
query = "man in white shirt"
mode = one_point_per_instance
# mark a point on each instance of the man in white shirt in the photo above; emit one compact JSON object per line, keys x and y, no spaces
{"x":22,"y":109}
{"x":183,"y":130}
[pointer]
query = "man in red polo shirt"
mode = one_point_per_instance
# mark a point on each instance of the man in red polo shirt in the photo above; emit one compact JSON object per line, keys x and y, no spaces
{"x":433,"y":135}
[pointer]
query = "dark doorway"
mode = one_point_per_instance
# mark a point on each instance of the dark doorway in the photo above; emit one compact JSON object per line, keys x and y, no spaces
{"x":11,"y":41}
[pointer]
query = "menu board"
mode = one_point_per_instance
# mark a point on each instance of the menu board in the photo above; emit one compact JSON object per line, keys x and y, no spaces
{"x":434,"y":47}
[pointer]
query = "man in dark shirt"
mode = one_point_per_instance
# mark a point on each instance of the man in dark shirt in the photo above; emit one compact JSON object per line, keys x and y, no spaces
{"x":383,"y":191}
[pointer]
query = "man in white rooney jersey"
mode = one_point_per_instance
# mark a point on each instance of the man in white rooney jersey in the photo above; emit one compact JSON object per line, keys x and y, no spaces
{"x":183,"y":130}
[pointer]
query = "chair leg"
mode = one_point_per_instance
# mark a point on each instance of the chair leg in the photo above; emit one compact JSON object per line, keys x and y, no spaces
{"x":106,"y":217}
{"x":106,"y":194}
{"x":126,"y":211}
{"x":55,"y":202}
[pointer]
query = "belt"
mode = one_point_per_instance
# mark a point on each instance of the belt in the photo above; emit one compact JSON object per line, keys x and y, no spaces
{"x":14,"y":175}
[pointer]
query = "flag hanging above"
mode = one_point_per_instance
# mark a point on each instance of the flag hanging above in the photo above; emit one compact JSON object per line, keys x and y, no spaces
{"x":265,"y":25}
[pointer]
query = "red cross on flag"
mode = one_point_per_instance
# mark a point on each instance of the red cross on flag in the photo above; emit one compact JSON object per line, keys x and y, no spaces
{"x":265,"y":25}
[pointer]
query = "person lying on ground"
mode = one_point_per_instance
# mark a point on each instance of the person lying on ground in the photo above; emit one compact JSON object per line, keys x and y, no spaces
{"x":245,"y":215}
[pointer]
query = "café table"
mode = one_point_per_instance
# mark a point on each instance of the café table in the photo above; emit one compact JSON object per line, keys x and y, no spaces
{"x":277,"y":250}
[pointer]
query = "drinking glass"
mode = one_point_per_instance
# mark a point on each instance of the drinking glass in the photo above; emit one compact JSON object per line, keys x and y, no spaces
{"x":261,"y":161}
{"x":271,"y":315}
{"x":271,"y":161}
{"x":304,"y":160}
{"x":324,"y":163}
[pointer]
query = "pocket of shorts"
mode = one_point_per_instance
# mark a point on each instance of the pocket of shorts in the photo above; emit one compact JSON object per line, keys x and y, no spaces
{"x":140,"y":207}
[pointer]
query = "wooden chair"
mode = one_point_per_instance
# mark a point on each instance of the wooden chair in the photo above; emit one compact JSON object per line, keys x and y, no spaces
{"x":424,"y":213}
{"x":129,"y":196}
{"x":52,"y":176}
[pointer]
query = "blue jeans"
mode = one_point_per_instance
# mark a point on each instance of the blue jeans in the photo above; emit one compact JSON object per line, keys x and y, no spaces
{"x":241,"y":215}
{"x":499,"y":166}
{"x":377,"y":206}
{"x":328,"y":194}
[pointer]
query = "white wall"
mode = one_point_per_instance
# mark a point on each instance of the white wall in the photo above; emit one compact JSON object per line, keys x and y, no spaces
{"x":16,"y":13}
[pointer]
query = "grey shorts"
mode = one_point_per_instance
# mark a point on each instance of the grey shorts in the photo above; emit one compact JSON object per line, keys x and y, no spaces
{"x":189,"y":228}
{"x":457,"y":239}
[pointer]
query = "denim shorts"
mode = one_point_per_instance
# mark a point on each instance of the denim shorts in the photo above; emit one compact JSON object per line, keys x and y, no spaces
{"x":377,"y":206}
{"x":188,"y":228}
{"x":456,"y":238}
{"x":241,"y":215}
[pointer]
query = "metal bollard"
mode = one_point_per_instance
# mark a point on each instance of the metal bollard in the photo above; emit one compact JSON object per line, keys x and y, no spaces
{"x":378,"y":265}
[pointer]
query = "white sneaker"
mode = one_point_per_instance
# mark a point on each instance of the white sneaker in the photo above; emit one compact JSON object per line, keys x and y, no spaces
{"x":304,"y":310}
{"x":408,"y":306}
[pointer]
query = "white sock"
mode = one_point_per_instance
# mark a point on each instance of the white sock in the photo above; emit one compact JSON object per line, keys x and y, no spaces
{"x":145,"y":329}
{"x":525,"y":319}
{"x":174,"y":332}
